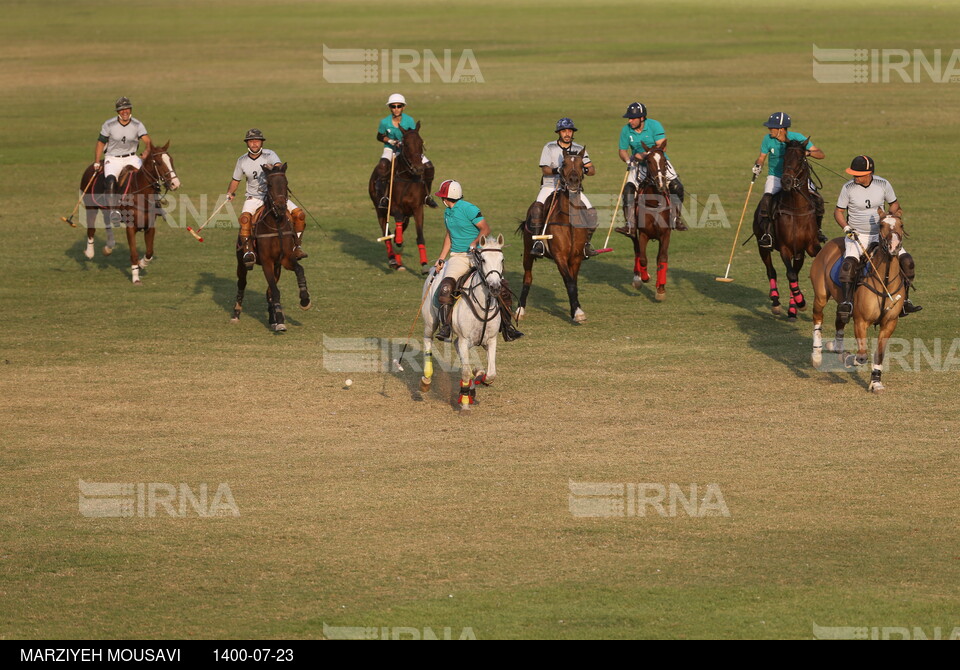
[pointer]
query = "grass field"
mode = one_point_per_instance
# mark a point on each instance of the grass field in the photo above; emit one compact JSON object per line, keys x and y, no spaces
{"x":374,"y":506}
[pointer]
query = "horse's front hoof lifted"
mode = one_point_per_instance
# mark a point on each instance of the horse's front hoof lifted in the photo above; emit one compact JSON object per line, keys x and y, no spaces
{"x":877,"y":387}
{"x":305,"y":303}
{"x":280,"y":328}
{"x":107,"y":251}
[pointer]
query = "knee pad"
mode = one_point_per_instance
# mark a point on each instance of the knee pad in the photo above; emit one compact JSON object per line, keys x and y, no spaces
{"x":445,"y":291}
{"x":848,"y":270}
{"x":907,"y":265}
{"x":299,"y":220}
{"x":246,"y":225}
{"x":677,"y":188}
{"x":536,"y":214}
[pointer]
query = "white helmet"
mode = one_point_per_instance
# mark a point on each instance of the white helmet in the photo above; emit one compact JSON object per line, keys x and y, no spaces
{"x":450,"y":189}
{"x":396,"y":98}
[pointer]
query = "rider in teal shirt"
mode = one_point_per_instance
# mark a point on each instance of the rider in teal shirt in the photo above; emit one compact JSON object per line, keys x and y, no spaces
{"x":390,"y":133}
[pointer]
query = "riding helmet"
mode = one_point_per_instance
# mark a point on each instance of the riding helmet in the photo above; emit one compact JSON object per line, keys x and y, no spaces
{"x":861,"y":166}
{"x":254,"y":134}
{"x":636,"y":110}
{"x":565,"y":124}
{"x":123,"y":103}
{"x":450,"y":189}
{"x":778,"y":120}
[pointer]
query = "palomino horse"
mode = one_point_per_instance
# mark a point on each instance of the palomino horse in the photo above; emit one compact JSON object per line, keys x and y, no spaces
{"x":653,"y":214}
{"x":273,"y":244}
{"x":139,"y":194}
{"x":795,"y":226}
{"x":409,"y":190}
{"x":569,"y":226}
{"x":475,"y":319}
{"x":876,"y":301}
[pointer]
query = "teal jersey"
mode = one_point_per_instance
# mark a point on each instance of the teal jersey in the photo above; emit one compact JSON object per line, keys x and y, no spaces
{"x":387,"y":128}
{"x":633,"y":141}
{"x":461,"y":221}
{"x":776,"y":150}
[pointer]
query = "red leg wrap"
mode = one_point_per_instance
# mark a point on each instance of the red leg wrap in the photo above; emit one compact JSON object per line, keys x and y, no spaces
{"x":423,"y":254}
{"x":398,"y":233}
{"x":661,"y":274}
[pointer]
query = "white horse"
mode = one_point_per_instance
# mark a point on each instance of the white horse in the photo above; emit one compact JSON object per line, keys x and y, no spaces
{"x":475,"y":319}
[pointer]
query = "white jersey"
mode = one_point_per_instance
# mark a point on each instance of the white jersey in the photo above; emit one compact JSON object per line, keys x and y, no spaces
{"x":862,"y":203}
{"x":552,"y":156}
{"x":121,"y":140}
{"x":252,"y":169}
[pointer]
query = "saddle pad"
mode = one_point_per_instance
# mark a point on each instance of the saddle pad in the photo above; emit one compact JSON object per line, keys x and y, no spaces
{"x":835,"y":271}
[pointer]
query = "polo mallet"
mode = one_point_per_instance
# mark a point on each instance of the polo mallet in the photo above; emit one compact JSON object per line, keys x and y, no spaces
{"x":396,"y":361}
{"x":877,"y":275}
{"x":546,"y":220}
{"x":386,"y":220}
{"x":196,"y":234}
{"x":616,"y":210}
{"x":69,"y":219}
{"x":726,"y":277}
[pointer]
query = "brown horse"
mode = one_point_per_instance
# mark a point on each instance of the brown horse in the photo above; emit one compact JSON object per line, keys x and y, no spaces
{"x":569,"y":226}
{"x":406,"y":197}
{"x":877,"y":300}
{"x":653,"y":213}
{"x":273,"y":240}
{"x":138,"y":203}
{"x":796,"y":213}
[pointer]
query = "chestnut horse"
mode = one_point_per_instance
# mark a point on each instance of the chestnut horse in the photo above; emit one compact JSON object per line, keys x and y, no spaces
{"x":653,"y":214}
{"x":273,"y":243}
{"x":795,"y":226}
{"x":139,"y":194}
{"x":409,"y":191}
{"x":569,"y":226}
{"x":877,"y":300}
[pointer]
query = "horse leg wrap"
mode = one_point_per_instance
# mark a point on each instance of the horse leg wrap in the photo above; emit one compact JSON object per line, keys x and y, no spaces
{"x":640,"y":269}
{"x":398,"y":233}
{"x":792,"y":311}
{"x":428,"y":364}
{"x":468,"y":393}
{"x":661,"y":274}
{"x":797,"y":295}
{"x":423,"y":254}
{"x":774,"y":291}
{"x":389,"y":249}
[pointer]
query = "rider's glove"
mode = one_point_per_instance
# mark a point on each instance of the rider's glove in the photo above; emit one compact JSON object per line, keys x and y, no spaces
{"x":851,"y":233}
{"x":756,"y":169}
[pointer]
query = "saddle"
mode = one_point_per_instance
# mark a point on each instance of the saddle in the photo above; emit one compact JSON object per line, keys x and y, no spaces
{"x":862,"y":267}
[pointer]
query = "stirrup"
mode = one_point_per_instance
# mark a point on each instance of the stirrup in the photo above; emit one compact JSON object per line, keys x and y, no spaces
{"x":627,"y":230}
{"x":538,"y":250}
{"x":766,"y":241}
{"x":249,"y":260}
{"x":588,"y":252}
{"x":909,"y":308}
{"x":299,"y":253}
{"x":845,"y":311}
{"x":115,"y":216}
{"x":678,"y":224}
{"x":383,"y":202}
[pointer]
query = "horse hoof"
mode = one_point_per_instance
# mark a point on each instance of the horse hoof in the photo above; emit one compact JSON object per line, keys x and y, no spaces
{"x":307,"y":306}
{"x":107,"y":251}
{"x":280,"y":328}
{"x":817,"y":359}
{"x":465,"y":409}
{"x":401,"y":268}
{"x":877,"y":387}
{"x":661,"y":294}
{"x":235,"y":319}
{"x":776,"y":310}
{"x":88,"y":252}
{"x":521,"y":312}
{"x":579,"y":316}
{"x":424,"y":384}
{"x":636,"y":281}
{"x":792,"y":318}
{"x":425,"y":268}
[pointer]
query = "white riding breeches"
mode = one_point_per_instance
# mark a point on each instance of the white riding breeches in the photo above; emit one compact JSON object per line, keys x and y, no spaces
{"x":545,"y":192}
{"x":772,"y":185}
{"x":388,"y":153}
{"x":113,"y":164}
{"x":852,"y":250}
{"x":251,"y":205}
{"x":457,"y":265}
{"x":638,"y":172}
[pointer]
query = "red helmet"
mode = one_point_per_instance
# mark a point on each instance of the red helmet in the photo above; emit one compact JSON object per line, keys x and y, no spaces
{"x":450,"y":189}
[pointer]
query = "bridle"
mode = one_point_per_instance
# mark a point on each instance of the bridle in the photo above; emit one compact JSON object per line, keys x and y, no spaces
{"x":158,"y":179}
{"x":564,"y":184}
{"x":794,"y":180}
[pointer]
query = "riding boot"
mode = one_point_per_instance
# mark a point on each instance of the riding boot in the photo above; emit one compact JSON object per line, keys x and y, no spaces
{"x":246,"y":232}
{"x":428,"y":172}
{"x":507,"y":329}
{"x":299,"y":225}
{"x":590,"y":219}
{"x":766,"y":221}
{"x":383,"y":177}
{"x":818,"y":204}
{"x":445,"y":299}
{"x":113,"y":200}
{"x":909,"y":269}
{"x":848,"y":278}
{"x":629,"y":210}
{"x":535,"y":218}
{"x":676,"y":188}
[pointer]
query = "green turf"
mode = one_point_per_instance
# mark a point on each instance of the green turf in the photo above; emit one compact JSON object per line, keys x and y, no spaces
{"x":376,"y":507}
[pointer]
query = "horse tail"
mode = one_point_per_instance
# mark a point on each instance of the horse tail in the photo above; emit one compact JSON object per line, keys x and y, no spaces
{"x":519,"y":230}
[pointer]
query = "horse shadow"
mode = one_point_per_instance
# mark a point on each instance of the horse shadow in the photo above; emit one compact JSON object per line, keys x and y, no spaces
{"x":223,"y":291}
{"x":119,"y":260}
{"x":371,"y":252}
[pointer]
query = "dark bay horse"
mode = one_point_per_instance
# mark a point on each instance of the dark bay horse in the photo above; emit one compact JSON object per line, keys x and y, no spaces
{"x":273,"y":242}
{"x":569,"y":226}
{"x":406,"y":196}
{"x":877,"y":300}
{"x":795,"y":226}
{"x":139,"y":193}
{"x":653,"y":214}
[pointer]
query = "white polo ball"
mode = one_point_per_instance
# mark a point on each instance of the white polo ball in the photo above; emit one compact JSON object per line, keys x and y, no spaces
{"x":348,"y":383}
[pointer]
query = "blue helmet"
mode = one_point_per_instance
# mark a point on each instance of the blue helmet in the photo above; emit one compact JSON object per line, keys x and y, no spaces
{"x":778,"y":120}
{"x":565,"y":124}
{"x":636,"y":110}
